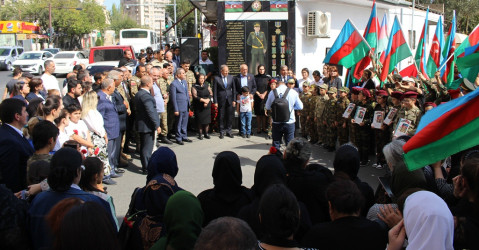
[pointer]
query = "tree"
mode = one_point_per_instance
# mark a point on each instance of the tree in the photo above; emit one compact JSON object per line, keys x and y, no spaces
{"x":186,"y":27}
{"x":119,"y":20}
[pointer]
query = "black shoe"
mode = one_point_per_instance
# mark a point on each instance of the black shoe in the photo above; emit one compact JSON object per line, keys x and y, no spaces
{"x":144,"y":172}
{"x":230,"y":135}
{"x":364,"y":163}
{"x":121,"y":171}
{"x":207,"y":136}
{"x":248,"y":136}
{"x":115,"y":175}
{"x":108,"y":181}
{"x":244,"y":136}
{"x":268,"y":137}
{"x":180,"y":143}
{"x":187,"y":140}
{"x":222,"y":136}
{"x":200,"y":137}
{"x":165,"y":140}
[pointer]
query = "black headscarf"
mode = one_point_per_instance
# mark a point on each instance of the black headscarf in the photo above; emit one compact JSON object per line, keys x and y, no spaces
{"x":227,"y":175}
{"x":347,"y":160}
{"x":269,"y":170}
{"x":163,"y":161}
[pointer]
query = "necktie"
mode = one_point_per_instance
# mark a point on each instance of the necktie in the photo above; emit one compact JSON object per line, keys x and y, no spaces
{"x":126,"y":91}
{"x":225,"y":81}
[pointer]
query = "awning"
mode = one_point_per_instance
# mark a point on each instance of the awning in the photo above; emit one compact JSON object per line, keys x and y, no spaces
{"x":208,"y":8}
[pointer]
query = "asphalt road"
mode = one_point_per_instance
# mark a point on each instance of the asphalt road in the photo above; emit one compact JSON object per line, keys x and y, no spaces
{"x":195,"y":161}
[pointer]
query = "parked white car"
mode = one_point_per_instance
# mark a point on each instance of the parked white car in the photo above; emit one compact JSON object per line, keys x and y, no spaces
{"x":32,"y":61}
{"x":8,"y":55}
{"x":65,"y":60}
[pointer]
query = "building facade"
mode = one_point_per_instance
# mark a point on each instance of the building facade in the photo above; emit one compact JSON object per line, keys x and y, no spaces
{"x":150,"y":13}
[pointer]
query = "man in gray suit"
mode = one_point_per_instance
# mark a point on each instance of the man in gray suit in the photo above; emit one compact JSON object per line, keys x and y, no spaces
{"x":181,"y":102}
{"x":147,"y":120}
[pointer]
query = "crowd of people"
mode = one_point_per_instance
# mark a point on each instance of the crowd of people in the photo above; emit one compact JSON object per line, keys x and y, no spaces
{"x":60,"y":145}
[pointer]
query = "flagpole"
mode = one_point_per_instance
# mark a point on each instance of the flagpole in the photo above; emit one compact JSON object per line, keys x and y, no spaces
{"x":445,"y":63}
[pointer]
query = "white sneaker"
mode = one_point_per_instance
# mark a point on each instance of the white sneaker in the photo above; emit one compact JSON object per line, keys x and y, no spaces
{"x":375,"y":165}
{"x":379,"y":166}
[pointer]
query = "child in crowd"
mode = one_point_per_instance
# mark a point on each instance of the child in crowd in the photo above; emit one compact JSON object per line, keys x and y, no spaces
{"x":62,"y":121}
{"x":245,"y":108}
{"x":78,"y":131}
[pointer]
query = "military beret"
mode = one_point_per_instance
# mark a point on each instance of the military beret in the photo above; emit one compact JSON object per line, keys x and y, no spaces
{"x":454,"y":93}
{"x":382,"y":93}
{"x":256,"y":24}
{"x":356,"y":90}
{"x":366,"y":92}
{"x":344,"y":89}
{"x":430,"y":104}
{"x":291,"y":81}
{"x":306,"y":83}
{"x":332,"y":90}
{"x":409,"y":94}
{"x":324,"y":86}
{"x":396,"y":94}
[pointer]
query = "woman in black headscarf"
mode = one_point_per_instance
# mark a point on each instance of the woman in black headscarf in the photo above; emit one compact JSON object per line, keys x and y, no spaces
{"x":269,"y":170}
{"x":228,"y":195}
{"x":150,"y":201}
{"x":262,"y":80}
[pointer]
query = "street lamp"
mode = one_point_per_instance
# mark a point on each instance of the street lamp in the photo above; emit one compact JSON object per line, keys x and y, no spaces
{"x":50,"y":28}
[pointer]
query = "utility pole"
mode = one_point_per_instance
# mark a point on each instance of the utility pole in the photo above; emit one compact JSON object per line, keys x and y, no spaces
{"x":50,"y":29}
{"x":176,"y":29}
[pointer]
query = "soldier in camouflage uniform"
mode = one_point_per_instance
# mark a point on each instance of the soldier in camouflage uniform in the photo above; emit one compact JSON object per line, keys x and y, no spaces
{"x":165,"y":89}
{"x":190,"y":76}
{"x":170,"y":109}
{"x":320,"y":118}
{"x":382,"y":135}
{"x":394,"y":101}
{"x":306,"y":99}
{"x":409,"y":111}
{"x":311,"y":125}
{"x":342,"y":123}
{"x":330,"y":120}
{"x":363,"y":129}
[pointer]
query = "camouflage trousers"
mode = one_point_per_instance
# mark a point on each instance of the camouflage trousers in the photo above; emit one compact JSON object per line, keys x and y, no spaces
{"x":331,"y":135}
{"x":304,"y":127}
{"x":343,"y":134}
{"x":321,"y":128}
{"x":312,"y":129}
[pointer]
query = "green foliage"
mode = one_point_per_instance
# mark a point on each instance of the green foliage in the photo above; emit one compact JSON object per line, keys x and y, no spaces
{"x":119,"y":20}
{"x":187,"y":26}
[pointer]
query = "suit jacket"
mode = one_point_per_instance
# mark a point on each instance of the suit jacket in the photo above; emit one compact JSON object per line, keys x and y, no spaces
{"x":147,"y":119}
{"x":221,"y":95}
{"x":179,"y":95}
{"x":120,"y":108}
{"x":251,"y":84}
{"x":110,"y":116}
{"x":279,"y":78}
{"x":14,"y":153}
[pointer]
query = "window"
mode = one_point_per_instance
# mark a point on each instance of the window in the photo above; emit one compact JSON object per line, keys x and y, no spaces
{"x":14,"y":52}
{"x":107,"y":55}
{"x":134,"y":34}
{"x":64,"y":55}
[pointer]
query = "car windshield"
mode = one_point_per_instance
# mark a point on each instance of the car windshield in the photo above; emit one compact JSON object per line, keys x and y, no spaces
{"x":98,"y":68}
{"x":107,"y":55}
{"x":54,"y":51}
{"x":30,"y":56}
{"x":4,"y":52}
{"x":64,"y":55}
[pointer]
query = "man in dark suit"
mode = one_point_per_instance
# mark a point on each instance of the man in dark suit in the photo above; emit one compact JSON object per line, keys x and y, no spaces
{"x":181,"y":102}
{"x":283,"y":74}
{"x":244,"y":79}
{"x":108,"y":111}
{"x":224,"y":94}
{"x":122,"y":108}
{"x":14,"y":148}
{"x":147,"y":120}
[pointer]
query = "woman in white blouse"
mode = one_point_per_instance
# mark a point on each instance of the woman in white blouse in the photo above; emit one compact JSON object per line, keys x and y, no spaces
{"x":94,"y":122}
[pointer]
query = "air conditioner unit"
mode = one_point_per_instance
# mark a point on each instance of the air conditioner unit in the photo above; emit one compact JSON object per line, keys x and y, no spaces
{"x":318,"y":24}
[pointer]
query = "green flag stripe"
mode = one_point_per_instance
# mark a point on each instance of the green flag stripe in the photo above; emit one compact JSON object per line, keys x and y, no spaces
{"x":458,"y":140}
{"x":402,"y":52}
{"x":355,"y":56}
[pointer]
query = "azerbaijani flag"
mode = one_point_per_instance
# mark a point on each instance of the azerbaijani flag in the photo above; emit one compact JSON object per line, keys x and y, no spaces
{"x":383,"y":37}
{"x":371,"y":36}
{"x":435,"y":53}
{"x":421,"y":49}
{"x":349,"y":48}
{"x":410,"y":71}
{"x":233,"y":6}
{"x":397,"y":50}
{"x":467,"y":54}
{"x":447,"y":72}
{"x":443,"y":131}
{"x":277,"y":6}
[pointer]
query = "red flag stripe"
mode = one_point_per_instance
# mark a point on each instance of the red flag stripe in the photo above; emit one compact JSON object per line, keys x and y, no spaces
{"x":350,"y":44}
{"x":454,"y":119}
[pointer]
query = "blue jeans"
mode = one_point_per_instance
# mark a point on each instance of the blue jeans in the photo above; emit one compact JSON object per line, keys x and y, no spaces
{"x":279,"y":130}
{"x":246,"y":122}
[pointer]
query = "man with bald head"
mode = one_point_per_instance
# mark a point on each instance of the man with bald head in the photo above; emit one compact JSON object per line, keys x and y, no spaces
{"x":169,"y":59}
{"x":147,"y":120}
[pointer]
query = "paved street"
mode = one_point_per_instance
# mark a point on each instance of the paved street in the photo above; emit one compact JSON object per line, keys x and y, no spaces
{"x":196,"y":159}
